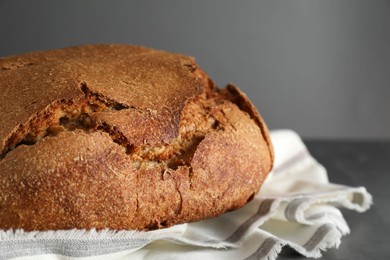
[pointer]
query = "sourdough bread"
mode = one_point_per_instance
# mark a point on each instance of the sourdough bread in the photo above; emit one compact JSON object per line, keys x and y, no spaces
{"x":122,"y":137}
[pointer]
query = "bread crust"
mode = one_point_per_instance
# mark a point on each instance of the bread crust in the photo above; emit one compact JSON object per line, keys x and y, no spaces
{"x":123,"y":137}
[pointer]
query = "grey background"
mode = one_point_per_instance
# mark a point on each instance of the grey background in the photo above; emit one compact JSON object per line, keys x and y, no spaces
{"x":321,"y":68}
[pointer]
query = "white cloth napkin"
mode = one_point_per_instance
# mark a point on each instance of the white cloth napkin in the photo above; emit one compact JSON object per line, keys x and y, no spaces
{"x":297,"y":206}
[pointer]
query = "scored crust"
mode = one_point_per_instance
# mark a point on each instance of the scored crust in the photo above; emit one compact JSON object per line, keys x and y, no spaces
{"x":123,"y":137}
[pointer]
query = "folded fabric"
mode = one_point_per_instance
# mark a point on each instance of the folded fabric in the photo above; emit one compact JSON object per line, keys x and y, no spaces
{"x":297,"y":206}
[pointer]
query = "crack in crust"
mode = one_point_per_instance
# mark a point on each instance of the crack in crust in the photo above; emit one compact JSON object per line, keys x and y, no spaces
{"x":12,"y":66}
{"x":98,"y":98}
{"x":233,"y":94}
{"x":197,"y":120}
{"x":65,"y":115}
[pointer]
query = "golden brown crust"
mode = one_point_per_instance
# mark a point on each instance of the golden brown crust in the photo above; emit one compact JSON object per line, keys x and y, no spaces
{"x":122,"y":137}
{"x":134,"y":76}
{"x":235,"y":95}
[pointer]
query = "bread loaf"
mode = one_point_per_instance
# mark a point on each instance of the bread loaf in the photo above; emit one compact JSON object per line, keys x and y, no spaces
{"x":122,"y":137}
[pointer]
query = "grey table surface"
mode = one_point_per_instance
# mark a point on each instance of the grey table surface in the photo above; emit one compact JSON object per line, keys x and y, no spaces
{"x":358,"y":163}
